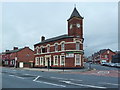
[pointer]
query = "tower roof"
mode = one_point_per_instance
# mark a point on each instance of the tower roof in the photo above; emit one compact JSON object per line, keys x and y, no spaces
{"x":75,"y":13}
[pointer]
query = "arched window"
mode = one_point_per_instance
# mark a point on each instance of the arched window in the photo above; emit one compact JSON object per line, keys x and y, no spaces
{"x":37,"y":50}
{"x":62,"y":46}
{"x":56,"y":47}
{"x":48,"y":48}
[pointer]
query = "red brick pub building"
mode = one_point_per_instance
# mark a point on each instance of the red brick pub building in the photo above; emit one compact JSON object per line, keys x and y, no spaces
{"x":65,"y":51}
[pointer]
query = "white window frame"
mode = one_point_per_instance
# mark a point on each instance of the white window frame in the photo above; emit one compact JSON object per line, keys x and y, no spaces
{"x":56,"y":47}
{"x":76,"y":59}
{"x":106,"y":56}
{"x":37,"y":61}
{"x":41,"y":60}
{"x":54,"y":60}
{"x":37,"y":50}
{"x":61,"y":60}
{"x":13,"y":62}
{"x":77,"y":46}
{"x":48,"y":48}
{"x":62,"y":46}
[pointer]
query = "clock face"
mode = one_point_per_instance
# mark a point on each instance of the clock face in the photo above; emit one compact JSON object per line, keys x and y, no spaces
{"x":78,"y":25}
{"x":71,"y":26}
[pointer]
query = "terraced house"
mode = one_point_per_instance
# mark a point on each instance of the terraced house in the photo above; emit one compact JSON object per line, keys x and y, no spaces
{"x":18,"y":57}
{"x":64,"y":51}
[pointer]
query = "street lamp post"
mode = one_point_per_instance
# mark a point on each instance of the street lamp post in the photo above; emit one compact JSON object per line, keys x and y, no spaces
{"x":48,"y":64}
{"x":15,"y":65}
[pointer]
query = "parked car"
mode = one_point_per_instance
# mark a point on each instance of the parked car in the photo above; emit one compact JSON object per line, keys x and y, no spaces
{"x":117,"y":65}
{"x":112,"y":64}
{"x":103,"y":63}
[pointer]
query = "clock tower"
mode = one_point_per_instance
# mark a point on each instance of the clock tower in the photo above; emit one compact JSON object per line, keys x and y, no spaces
{"x":75,"y":24}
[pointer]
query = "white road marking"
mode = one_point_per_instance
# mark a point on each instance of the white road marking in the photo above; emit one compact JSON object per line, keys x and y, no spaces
{"x":69,"y":82}
{"x":65,"y":79}
{"x":110,"y":83}
{"x":17,"y":76}
{"x":36,"y":78}
{"x":103,"y":72}
{"x":50,"y":83}
{"x":14,"y":70}
{"x":75,"y":80}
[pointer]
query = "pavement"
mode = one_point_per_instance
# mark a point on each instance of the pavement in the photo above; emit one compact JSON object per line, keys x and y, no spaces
{"x":58,"y":70}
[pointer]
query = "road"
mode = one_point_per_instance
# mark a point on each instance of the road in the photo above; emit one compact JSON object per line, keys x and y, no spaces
{"x":21,"y":78}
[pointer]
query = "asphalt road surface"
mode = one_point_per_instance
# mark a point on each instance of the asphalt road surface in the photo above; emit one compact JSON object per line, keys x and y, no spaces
{"x":20,"y":78}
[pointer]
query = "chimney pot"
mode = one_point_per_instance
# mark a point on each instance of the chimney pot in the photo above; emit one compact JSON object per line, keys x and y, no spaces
{"x":15,"y":48}
{"x":7,"y":50}
{"x":42,"y":38}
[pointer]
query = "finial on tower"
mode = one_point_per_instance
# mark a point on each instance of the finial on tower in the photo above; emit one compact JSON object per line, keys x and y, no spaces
{"x":74,"y":5}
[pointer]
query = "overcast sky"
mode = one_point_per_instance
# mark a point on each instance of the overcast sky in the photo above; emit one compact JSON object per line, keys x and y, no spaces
{"x":24,"y":23}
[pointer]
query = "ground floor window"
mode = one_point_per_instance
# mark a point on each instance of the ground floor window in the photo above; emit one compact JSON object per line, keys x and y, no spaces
{"x":62,"y":60}
{"x":77,"y":59}
{"x":56,"y":60}
{"x":41,"y":60}
{"x":6,"y":62}
{"x":37,"y":61}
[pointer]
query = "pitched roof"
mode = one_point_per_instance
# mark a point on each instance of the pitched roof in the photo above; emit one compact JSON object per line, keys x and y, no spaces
{"x":12,"y":51}
{"x":75,"y":13}
{"x":55,"y":38}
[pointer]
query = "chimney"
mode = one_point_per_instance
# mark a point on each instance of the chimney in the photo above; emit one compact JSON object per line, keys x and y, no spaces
{"x":15,"y":48}
{"x":7,"y":50}
{"x":42,"y":38}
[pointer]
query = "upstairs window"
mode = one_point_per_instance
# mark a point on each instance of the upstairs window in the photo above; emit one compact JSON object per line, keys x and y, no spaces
{"x":56,"y":47}
{"x":42,"y":50}
{"x":77,"y":46}
{"x":48,"y":49}
{"x":62,"y":47}
{"x":106,"y":56}
{"x":37,"y":50}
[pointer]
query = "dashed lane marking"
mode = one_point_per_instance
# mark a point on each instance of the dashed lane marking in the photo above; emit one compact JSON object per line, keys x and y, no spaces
{"x":16,"y":76}
{"x":66,"y":79}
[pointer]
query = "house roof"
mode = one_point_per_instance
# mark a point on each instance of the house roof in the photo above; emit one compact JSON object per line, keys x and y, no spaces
{"x":75,"y":13}
{"x":55,"y":38}
{"x":12,"y":51}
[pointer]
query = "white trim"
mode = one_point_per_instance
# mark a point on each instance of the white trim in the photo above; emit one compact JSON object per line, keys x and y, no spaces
{"x":54,"y":59}
{"x":62,"y":42}
{"x":58,"y":52}
{"x":47,"y":45}
{"x":61,"y":59}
